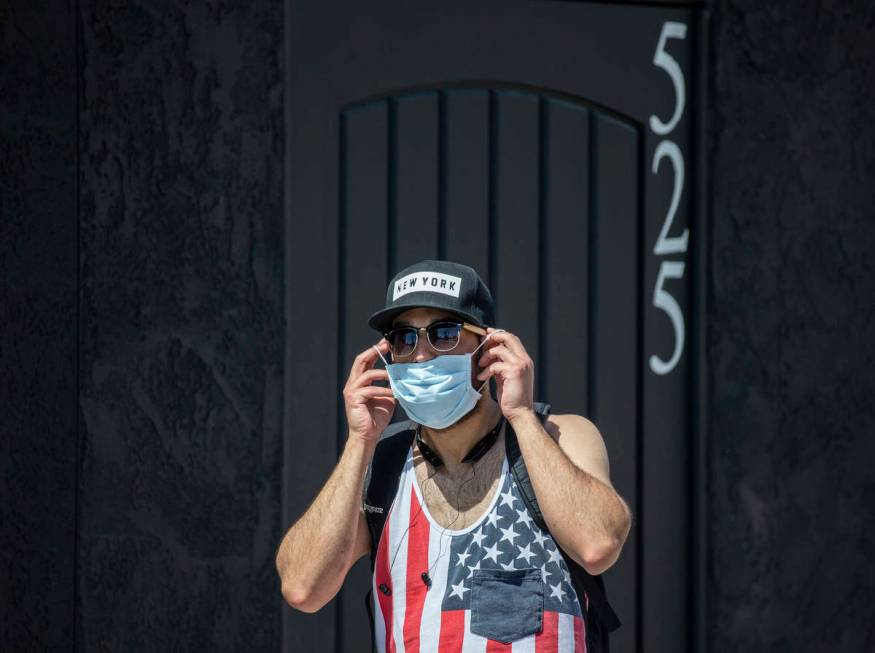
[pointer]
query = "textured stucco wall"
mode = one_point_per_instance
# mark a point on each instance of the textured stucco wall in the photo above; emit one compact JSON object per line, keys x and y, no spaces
{"x":181,"y":325}
{"x":37,"y":314}
{"x":171,"y":202}
{"x":792,"y":326}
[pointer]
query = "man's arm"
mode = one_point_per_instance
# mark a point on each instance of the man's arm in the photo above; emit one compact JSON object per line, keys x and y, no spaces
{"x":318,"y":550}
{"x":568,"y":467}
{"x":584,"y":513}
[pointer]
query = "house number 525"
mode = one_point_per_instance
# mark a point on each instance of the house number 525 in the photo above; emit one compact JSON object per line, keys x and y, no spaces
{"x":669,"y":150}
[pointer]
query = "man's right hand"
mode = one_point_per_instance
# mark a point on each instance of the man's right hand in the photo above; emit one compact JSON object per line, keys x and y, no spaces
{"x":319,"y":549}
{"x":369,"y":407}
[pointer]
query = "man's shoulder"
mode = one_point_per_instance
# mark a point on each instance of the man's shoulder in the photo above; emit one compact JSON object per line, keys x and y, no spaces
{"x":569,"y":423}
{"x":580,"y":440}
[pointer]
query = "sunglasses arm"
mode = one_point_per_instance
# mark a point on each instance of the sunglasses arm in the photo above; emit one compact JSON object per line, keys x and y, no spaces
{"x":476,"y":329}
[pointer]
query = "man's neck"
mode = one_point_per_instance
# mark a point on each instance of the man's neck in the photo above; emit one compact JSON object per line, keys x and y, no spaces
{"x":453,"y":443}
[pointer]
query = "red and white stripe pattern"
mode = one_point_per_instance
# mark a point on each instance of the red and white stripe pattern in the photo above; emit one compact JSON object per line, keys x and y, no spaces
{"x":413,"y":618}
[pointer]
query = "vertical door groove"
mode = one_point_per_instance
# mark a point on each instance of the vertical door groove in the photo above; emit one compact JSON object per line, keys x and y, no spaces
{"x":543,"y":308}
{"x":391,"y":189}
{"x":442,"y":175}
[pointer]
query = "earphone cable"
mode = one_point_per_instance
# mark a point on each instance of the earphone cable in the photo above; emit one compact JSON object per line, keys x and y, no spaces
{"x":413,"y":521}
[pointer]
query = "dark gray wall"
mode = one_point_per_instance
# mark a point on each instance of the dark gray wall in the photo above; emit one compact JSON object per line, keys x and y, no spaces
{"x":165,"y":342}
{"x":792,"y":326}
{"x":181,"y":325}
{"x":38,"y":317}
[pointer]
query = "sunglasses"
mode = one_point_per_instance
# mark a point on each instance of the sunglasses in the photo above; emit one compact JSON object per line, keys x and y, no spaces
{"x":443,"y":336}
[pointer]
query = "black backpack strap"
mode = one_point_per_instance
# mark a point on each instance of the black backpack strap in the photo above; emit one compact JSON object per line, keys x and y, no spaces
{"x":592,"y":585}
{"x":380,"y":487}
{"x":383,"y":476}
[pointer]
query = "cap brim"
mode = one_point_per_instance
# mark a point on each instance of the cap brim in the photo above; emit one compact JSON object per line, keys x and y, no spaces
{"x":382,"y":319}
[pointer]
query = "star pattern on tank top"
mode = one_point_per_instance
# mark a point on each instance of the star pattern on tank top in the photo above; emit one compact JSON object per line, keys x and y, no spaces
{"x":508,"y":539}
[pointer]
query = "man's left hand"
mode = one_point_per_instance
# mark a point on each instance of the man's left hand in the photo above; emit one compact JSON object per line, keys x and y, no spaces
{"x":507,"y":360}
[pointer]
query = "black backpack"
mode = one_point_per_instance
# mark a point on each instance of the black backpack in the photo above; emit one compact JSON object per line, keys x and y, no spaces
{"x":381,"y":485}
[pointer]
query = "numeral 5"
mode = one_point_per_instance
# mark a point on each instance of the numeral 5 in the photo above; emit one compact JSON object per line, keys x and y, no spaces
{"x":662,"y":299}
{"x":662,"y":59}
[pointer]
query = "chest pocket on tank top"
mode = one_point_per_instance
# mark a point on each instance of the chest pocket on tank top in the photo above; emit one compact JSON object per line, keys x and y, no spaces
{"x":507,"y":605}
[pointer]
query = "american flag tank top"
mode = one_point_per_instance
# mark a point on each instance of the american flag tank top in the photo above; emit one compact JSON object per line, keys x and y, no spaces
{"x":498,"y":585}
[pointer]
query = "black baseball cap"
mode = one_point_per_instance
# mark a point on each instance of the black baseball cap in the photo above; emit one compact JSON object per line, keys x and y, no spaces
{"x":453,"y":287}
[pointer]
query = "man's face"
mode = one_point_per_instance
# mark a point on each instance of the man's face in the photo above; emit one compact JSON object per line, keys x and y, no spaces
{"x":468,"y":342}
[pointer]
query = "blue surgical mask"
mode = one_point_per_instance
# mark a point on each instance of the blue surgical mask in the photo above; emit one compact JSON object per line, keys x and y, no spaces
{"x":437,"y":392}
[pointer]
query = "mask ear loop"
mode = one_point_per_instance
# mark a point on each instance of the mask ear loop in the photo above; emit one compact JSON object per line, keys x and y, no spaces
{"x":483,"y":385}
{"x":385,"y":362}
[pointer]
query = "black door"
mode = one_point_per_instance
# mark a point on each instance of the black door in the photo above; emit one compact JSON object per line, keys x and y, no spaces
{"x":546,"y":145}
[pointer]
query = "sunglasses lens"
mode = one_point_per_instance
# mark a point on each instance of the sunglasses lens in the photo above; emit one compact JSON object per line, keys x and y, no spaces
{"x":402,"y":341}
{"x":444,"y":336}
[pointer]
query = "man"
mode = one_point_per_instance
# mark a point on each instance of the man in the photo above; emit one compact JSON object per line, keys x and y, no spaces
{"x":460,"y":561}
